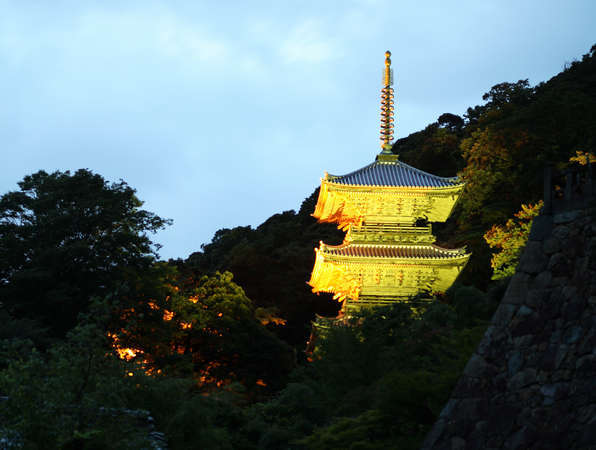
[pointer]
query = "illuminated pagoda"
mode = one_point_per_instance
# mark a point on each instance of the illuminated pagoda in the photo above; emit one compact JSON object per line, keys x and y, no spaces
{"x":388,"y":253}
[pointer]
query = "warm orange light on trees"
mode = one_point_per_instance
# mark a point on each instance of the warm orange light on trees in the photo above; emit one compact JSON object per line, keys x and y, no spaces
{"x":125,"y":353}
{"x":583,"y":158}
{"x":190,"y":329}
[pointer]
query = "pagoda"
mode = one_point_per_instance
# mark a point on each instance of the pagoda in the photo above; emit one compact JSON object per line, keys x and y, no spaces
{"x":388,"y":254}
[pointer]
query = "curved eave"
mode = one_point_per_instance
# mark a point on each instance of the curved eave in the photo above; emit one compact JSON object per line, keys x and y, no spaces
{"x":448,"y":255}
{"x":336,"y":204}
{"x":396,"y":189}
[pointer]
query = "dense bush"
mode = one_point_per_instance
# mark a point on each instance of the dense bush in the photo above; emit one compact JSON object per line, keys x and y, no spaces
{"x":378,"y":382}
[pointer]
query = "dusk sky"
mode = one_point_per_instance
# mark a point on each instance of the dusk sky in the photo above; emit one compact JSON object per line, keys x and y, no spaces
{"x":221,"y":114}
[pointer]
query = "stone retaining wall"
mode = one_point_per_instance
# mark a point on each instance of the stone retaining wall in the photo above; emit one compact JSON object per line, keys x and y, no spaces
{"x":531,"y":384}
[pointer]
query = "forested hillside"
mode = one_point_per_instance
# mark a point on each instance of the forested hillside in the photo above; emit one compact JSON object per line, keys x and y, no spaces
{"x":213,"y":346}
{"x":500,"y":148}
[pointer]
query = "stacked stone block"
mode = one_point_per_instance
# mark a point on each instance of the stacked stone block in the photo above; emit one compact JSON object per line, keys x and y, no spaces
{"x":531,"y":384}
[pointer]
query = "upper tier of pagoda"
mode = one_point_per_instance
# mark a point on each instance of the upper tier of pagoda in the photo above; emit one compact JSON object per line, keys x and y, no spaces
{"x":386,"y":191}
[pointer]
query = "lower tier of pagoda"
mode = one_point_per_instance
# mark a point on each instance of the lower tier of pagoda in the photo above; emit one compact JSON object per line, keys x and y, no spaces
{"x":379,"y":274}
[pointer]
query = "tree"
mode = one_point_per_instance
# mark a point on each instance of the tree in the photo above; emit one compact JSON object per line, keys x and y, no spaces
{"x":510,"y":239}
{"x":434,"y":149}
{"x":74,"y":395}
{"x":451,"y":121}
{"x":272,"y":263}
{"x":502,"y":98}
{"x":202,"y":327}
{"x":503,"y":94}
{"x":65,"y":238}
{"x":378,"y":383}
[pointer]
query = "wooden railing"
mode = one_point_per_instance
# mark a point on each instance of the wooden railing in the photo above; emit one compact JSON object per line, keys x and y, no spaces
{"x":391,"y":228}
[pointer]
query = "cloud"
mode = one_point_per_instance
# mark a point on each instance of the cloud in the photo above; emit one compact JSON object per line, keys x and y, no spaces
{"x":181,"y":40}
{"x":114,"y":32}
{"x":307,"y":44}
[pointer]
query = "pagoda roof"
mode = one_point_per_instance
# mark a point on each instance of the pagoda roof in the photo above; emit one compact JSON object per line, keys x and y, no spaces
{"x":429,"y":251}
{"x":393,"y":173}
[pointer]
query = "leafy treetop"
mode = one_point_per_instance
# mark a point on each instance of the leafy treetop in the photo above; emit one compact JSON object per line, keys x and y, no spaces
{"x":67,"y":237}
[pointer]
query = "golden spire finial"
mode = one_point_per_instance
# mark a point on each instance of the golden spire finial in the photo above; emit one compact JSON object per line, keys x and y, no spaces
{"x":387,"y":106}
{"x":387,"y":77}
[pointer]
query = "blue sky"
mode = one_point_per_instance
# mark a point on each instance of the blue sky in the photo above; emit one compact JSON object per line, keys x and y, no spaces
{"x":223,"y":113}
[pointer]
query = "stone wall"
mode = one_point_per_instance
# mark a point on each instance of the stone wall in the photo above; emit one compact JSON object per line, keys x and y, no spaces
{"x":531,"y":384}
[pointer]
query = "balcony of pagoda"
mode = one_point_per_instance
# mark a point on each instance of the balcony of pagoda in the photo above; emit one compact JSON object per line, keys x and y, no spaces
{"x":388,"y":233}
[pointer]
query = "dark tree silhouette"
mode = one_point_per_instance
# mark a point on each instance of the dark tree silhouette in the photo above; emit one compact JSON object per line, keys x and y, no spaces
{"x":65,"y":238}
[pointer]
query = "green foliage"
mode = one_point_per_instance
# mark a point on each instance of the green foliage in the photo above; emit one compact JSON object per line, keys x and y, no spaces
{"x":370,"y":430}
{"x":193,"y":425}
{"x":491,"y":172}
{"x":204,"y":327}
{"x":510,"y":239}
{"x":79,"y":395}
{"x":59,"y":399}
{"x":272,"y":264}
{"x":285,"y":418}
{"x":378,"y":383}
{"x":436,"y":148}
{"x":65,"y":238}
{"x":18,"y":337}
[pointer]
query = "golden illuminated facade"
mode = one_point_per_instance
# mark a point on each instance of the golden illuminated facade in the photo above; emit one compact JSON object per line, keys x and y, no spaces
{"x":386,"y":255}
